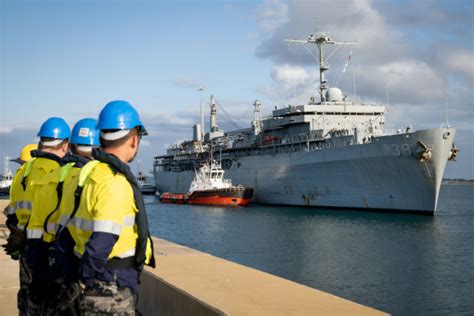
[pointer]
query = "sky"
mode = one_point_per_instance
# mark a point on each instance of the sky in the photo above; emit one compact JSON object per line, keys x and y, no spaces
{"x":69,"y":58}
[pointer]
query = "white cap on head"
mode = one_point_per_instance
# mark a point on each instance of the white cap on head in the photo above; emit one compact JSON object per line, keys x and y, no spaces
{"x":51,"y":143}
{"x":84,"y":148}
{"x":115,"y":135}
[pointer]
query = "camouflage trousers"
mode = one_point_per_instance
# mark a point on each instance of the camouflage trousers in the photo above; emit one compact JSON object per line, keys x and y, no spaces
{"x":27,"y":303}
{"x":107,"y":298}
{"x":25,"y":280}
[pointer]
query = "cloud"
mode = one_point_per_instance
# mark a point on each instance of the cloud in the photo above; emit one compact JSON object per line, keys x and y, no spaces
{"x":291,"y":84}
{"x":460,"y":62}
{"x":289,"y":74}
{"x":408,"y":81}
{"x":271,"y":15}
{"x":5,"y":130}
{"x":8,"y":128}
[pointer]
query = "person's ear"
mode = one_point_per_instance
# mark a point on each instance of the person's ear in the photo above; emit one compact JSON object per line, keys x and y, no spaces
{"x":65,"y":147}
{"x":135,"y":141}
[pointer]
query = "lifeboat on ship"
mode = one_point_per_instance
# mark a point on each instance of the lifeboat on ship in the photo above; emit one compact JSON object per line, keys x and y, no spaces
{"x":210,"y":188}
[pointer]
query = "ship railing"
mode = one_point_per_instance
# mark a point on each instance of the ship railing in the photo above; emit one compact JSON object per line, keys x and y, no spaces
{"x":397,"y":131}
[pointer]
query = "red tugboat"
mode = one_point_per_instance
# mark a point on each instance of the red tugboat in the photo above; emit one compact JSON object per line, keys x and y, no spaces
{"x":210,"y":188}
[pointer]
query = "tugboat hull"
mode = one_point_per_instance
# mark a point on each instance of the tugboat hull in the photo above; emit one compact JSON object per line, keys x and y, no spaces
{"x":235,"y":196}
{"x":229,"y":196}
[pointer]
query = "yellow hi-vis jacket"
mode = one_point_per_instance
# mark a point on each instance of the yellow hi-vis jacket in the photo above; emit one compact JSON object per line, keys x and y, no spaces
{"x":41,"y":168}
{"x":17,"y":192}
{"x":35,"y":170}
{"x":45,"y":204}
{"x":106,"y":205}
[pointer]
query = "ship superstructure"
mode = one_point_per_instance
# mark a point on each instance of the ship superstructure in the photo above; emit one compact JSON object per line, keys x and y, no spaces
{"x":331,"y":152}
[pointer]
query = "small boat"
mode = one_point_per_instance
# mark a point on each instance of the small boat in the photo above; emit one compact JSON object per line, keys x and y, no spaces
{"x":178,"y":198}
{"x":210,"y":188}
{"x":144,"y":183}
{"x":6,"y":179}
{"x":147,"y":189}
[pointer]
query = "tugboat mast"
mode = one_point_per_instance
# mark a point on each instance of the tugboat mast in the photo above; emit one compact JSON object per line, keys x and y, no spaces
{"x":320,"y":40}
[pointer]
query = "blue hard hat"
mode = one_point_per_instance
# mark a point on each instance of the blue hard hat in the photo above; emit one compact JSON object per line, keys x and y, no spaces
{"x":56,"y":128}
{"x":85,"y":132}
{"x":118,"y":115}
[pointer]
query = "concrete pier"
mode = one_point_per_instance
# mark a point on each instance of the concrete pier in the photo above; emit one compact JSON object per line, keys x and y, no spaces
{"x":9,"y":281}
{"x":190,"y":282}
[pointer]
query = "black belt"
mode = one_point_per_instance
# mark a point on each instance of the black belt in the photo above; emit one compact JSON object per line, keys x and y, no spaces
{"x":120,"y":263}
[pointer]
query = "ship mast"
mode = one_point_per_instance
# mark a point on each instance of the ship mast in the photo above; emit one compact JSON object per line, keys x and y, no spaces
{"x":321,"y":39}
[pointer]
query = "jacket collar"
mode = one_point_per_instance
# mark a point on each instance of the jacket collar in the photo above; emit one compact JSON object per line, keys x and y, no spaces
{"x":46,"y":155}
{"x":114,"y":162}
{"x":78,"y":160}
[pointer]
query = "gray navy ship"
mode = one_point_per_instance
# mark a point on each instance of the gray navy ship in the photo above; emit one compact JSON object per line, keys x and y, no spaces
{"x":329,"y":152}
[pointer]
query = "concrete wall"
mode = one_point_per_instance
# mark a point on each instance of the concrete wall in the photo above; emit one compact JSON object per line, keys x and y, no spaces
{"x":158,"y":297}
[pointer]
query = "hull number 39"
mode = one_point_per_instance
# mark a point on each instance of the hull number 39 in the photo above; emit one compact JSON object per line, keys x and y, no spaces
{"x":398,"y":149}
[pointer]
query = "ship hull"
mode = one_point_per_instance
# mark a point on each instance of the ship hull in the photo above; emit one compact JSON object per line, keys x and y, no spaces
{"x":385,"y":174}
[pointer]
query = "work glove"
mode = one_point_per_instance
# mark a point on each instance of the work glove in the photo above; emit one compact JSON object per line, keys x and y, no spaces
{"x":15,"y":243}
{"x":15,"y":255}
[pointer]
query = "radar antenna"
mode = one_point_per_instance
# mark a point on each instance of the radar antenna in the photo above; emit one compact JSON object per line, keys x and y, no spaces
{"x":321,"y":39}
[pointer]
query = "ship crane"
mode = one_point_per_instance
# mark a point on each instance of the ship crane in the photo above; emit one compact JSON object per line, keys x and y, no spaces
{"x":321,"y":39}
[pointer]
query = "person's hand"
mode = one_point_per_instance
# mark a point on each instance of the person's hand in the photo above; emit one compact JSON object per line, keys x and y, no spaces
{"x":15,"y":243}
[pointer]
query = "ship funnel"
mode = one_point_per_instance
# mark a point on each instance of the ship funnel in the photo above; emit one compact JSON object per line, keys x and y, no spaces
{"x":257,"y":121}
{"x":197,"y":132}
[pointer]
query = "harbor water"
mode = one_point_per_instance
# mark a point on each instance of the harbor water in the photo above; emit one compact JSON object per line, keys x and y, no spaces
{"x":404,"y":264}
